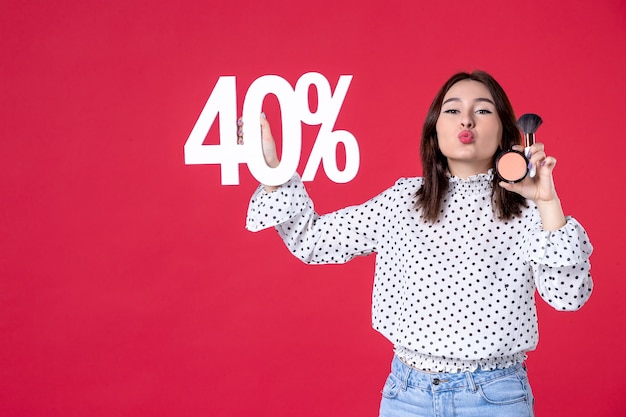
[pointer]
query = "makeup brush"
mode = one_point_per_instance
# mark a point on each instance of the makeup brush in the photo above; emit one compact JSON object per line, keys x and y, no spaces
{"x":528,"y":124}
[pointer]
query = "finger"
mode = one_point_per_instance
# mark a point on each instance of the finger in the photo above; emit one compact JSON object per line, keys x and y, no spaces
{"x":514,"y":188}
{"x":534,"y":149}
{"x":266,"y":132}
{"x":535,"y":154}
{"x":505,"y":185}
{"x":549,"y":162}
{"x":268,"y":143}
{"x":240,"y":131}
{"x":538,"y":157}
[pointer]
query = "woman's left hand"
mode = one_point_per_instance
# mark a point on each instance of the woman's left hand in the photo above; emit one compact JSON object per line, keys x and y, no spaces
{"x":541,"y":187}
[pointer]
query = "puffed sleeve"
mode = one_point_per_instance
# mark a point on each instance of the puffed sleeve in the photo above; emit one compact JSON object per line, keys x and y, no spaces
{"x":331,"y":238}
{"x":560,"y":263}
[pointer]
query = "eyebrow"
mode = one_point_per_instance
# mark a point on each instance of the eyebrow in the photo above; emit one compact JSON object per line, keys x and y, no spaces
{"x":480,"y":99}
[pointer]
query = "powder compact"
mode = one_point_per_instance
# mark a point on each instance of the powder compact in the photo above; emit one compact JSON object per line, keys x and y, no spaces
{"x":513,"y":166}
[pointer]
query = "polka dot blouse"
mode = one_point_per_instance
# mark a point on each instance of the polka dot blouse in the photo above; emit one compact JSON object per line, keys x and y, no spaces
{"x":453,"y":295}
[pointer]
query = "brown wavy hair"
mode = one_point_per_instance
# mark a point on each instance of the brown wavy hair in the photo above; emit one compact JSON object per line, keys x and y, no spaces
{"x":435,"y":165}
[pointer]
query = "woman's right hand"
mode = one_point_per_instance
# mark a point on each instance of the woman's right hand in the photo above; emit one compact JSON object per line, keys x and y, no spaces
{"x":269,"y":146}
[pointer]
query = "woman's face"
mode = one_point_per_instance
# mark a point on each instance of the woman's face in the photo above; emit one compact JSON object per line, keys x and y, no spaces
{"x":469,"y":130}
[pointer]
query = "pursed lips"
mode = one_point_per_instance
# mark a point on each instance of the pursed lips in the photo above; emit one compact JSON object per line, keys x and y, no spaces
{"x":466,"y":137}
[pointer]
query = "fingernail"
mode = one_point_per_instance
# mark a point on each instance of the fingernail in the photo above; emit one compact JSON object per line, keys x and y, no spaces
{"x":239,"y":122}
{"x":240,"y":132}
{"x":263,"y":115}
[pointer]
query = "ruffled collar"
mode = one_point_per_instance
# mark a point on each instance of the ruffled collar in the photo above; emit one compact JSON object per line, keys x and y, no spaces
{"x":472,"y":185}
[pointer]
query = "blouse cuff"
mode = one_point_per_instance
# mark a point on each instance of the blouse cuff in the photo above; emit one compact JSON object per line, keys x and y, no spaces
{"x":566,"y":246}
{"x":270,"y":209}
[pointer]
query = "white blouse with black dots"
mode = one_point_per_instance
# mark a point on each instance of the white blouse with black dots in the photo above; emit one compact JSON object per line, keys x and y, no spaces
{"x":451,"y":296}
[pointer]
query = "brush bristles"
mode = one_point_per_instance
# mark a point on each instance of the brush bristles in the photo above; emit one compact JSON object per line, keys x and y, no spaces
{"x":529,"y":123}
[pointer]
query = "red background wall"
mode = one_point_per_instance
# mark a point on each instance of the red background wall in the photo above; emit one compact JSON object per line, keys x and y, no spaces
{"x":128,"y":285}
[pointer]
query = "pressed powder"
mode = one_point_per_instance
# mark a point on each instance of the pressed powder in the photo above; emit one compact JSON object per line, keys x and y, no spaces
{"x":512,"y":166}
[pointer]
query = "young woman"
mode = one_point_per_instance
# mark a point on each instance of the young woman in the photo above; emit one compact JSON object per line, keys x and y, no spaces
{"x":460,"y":255}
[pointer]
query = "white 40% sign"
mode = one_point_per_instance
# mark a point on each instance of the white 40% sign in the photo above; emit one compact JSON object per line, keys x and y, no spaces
{"x":295,"y":110}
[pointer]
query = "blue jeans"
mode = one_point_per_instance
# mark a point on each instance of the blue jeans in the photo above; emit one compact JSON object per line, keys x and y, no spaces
{"x":409,"y":392}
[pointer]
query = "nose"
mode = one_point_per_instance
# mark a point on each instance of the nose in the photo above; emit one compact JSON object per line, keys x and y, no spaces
{"x":467,"y":121}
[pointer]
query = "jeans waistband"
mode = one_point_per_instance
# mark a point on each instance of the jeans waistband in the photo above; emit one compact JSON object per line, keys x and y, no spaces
{"x":412,"y":377}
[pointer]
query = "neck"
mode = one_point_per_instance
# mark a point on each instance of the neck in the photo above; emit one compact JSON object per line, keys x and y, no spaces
{"x":464,"y":171}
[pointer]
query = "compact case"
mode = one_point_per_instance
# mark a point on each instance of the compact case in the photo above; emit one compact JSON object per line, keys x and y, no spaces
{"x":513,"y":166}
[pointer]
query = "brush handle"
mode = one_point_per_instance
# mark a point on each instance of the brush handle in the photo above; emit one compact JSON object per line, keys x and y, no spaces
{"x":529,"y":140}
{"x":532,"y":168}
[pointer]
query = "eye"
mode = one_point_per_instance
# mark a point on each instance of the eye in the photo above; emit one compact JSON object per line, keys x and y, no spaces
{"x":451,"y":111}
{"x":484,"y":111}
